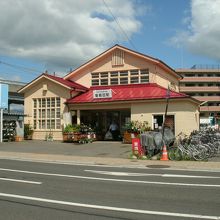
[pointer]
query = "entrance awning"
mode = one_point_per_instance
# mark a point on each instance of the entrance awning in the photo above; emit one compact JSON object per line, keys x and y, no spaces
{"x":131,"y":92}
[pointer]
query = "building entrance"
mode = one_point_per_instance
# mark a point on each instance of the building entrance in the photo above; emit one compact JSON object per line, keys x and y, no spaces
{"x":100,"y":120}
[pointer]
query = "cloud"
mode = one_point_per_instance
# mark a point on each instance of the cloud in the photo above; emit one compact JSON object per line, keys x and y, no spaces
{"x":65,"y":33}
{"x":203,"y":32}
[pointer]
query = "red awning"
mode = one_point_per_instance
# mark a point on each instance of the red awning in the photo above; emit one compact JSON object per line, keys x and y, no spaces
{"x":131,"y":92}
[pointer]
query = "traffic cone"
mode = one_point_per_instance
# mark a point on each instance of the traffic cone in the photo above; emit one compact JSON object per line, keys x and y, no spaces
{"x":164,"y":153}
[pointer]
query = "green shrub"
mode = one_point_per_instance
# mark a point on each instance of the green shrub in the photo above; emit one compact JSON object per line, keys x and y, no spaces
{"x":28,"y":130}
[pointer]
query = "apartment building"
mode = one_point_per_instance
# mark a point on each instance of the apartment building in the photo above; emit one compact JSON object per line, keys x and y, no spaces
{"x":202,"y":82}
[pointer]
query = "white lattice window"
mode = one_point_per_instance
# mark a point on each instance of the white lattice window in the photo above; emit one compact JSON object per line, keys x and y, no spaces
{"x":46,"y":113}
{"x":120,"y":77}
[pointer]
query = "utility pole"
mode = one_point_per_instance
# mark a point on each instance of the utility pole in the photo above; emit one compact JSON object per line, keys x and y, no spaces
{"x":166,"y":109}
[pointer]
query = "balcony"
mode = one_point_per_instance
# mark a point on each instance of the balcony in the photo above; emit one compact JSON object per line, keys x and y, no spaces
{"x":209,"y":108}
{"x":207,"y":98}
{"x":199,"y":89}
{"x":200,"y":79}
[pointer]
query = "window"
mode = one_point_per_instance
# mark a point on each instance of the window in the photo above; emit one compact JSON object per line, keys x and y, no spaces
{"x":58,"y":102}
{"x":134,"y":72}
{"x":189,"y":75}
{"x":120,"y":77}
{"x":134,"y":80}
{"x":124,"y":73}
{"x":35,"y":103}
{"x":104,"y":75}
{"x":52,"y":102}
{"x":104,"y":82}
{"x":43,"y":103}
{"x":95,"y":82}
{"x":46,"y":113}
{"x":35,"y":113}
{"x":48,"y":102}
{"x":114,"y":74}
{"x":124,"y":80}
{"x":114,"y":81}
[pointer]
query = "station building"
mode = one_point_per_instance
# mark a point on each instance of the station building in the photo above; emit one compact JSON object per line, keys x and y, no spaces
{"x":120,"y":84}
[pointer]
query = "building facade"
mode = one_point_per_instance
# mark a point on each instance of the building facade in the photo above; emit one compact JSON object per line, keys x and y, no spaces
{"x":120,"y":84}
{"x":202,"y":82}
{"x":13,"y":113}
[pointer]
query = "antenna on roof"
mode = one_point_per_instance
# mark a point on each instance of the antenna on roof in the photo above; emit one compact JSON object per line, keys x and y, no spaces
{"x":181,"y":51}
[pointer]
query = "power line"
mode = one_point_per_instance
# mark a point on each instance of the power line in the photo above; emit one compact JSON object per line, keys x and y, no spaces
{"x":119,"y":25}
{"x":22,"y":68}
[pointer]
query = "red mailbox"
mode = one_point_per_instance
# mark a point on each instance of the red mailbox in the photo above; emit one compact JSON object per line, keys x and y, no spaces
{"x":136,"y":146}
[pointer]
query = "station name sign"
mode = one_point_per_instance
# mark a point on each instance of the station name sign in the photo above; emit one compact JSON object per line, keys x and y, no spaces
{"x":102,"y":94}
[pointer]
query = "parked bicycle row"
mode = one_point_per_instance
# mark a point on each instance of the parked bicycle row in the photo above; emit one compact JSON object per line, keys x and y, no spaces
{"x":199,"y":145}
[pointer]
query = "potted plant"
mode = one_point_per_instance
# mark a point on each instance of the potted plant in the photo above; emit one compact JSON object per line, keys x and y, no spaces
{"x":28,"y":132}
{"x":68,"y":133}
{"x":76,"y":132}
{"x":133,"y":129}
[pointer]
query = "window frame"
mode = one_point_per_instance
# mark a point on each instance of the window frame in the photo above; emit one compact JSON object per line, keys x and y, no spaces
{"x":42,"y":113}
{"x":120,"y":77}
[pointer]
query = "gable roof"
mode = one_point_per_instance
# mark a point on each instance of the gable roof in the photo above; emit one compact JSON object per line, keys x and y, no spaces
{"x":132,"y":92}
{"x":148,"y":58}
{"x":65,"y":83}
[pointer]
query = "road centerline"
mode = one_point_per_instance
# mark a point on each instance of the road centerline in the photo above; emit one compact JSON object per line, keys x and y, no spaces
{"x":110,"y":179}
{"x":116,"y":173}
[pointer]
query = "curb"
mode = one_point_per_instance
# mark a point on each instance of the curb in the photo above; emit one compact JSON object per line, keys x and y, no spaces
{"x":111,"y":162}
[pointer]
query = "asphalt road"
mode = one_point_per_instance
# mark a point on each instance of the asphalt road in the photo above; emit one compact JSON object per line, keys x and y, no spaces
{"x":53,"y":191}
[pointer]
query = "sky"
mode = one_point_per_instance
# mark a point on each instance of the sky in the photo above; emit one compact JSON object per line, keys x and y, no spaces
{"x":59,"y":36}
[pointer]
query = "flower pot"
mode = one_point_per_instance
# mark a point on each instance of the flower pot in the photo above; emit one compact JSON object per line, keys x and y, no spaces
{"x":127,"y":138}
{"x":67,"y":137}
{"x":18,"y":138}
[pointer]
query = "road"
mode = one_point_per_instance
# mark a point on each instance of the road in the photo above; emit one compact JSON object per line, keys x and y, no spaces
{"x":53,"y":191}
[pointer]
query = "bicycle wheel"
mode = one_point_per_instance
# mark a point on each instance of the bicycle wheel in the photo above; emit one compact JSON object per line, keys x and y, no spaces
{"x":199,"y":153}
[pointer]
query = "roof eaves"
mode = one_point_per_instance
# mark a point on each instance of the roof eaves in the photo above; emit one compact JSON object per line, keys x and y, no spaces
{"x":89,"y":61}
{"x":31,"y":82}
{"x":38,"y":78}
{"x":125,"y":101}
{"x":155,"y":60}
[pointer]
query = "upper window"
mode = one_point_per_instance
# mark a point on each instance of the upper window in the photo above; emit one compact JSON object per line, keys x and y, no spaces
{"x":120,"y":77}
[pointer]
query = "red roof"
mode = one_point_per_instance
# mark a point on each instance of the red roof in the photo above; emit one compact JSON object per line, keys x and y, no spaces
{"x":68,"y":83}
{"x":127,"y":93}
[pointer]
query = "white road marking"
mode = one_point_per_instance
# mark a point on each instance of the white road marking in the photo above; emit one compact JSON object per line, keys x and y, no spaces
{"x":148,"y":174}
{"x":190,"y":176}
{"x":108,"y":179}
{"x":110,"y":208}
{"x":112,"y":173}
{"x":93,"y":164}
{"x":20,"y":181}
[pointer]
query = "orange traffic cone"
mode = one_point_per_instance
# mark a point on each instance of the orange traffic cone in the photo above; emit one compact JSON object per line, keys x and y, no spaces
{"x":164,"y":153}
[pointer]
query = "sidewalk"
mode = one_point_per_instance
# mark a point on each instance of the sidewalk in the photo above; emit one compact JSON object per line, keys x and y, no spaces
{"x":97,"y":153}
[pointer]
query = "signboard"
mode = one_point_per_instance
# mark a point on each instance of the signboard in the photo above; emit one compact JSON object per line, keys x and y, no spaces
{"x":102,"y":94}
{"x":3,"y":96}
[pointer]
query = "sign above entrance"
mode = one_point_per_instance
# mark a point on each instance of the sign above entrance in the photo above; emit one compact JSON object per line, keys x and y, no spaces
{"x":100,"y":94}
